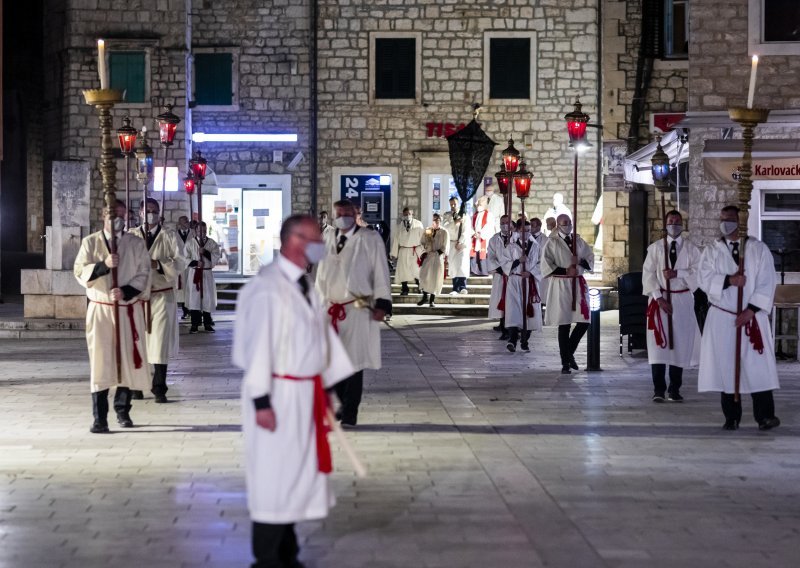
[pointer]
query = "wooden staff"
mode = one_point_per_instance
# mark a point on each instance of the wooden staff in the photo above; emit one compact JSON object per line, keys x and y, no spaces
{"x":667,"y":267}
{"x":359,"y":468}
{"x":575,"y":229}
{"x":115,"y":284}
{"x":737,"y":369}
{"x":523,"y":243}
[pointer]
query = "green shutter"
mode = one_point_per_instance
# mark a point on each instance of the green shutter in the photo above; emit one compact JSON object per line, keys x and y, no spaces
{"x":127,"y":73}
{"x":213,"y":79}
{"x":510,"y":68}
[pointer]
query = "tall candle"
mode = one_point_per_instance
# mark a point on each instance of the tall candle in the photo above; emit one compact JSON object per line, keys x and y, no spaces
{"x":101,"y":64}
{"x":752,"y":92}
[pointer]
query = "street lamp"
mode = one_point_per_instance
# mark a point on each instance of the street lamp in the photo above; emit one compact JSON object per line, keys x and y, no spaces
{"x":127,"y":138}
{"x":576,"y":129}
{"x":144,"y":168}
{"x":198,"y":166}
{"x":189,"y":186}
{"x":167,"y":127}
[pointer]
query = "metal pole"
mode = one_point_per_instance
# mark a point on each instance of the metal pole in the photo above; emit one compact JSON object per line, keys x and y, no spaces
{"x":127,"y":192}
{"x":164,"y":184}
{"x":575,"y":226}
{"x":524,"y":242}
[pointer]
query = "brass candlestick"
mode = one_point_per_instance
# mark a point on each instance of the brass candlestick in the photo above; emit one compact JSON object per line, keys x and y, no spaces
{"x":749,"y":118}
{"x":104,"y":100}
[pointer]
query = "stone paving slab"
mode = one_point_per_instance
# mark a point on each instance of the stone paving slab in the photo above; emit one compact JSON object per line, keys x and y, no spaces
{"x":477,"y":457}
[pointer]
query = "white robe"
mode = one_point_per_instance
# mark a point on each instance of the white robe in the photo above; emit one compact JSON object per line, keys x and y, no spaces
{"x":497,"y":207}
{"x":162,"y":341}
{"x":541,"y":239}
{"x":406,"y":249}
{"x":557,"y":254}
{"x":482,"y":230}
{"x":685,"y":350}
{"x":359,"y":270}
{"x":133,"y":270}
{"x":514,"y":308}
{"x":718,"y":344}
{"x":458,"y":257}
{"x":431,"y":275}
{"x":496,"y":258}
{"x":180,"y":290}
{"x":277,"y":332}
{"x":208,"y":301}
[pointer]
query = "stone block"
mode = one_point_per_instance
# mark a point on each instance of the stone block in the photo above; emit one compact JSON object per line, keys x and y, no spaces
{"x":63,"y":244}
{"x":71,"y":187}
{"x":70,"y":307}
{"x":36,"y":306}
{"x":36,"y":281}
{"x":65,"y":284}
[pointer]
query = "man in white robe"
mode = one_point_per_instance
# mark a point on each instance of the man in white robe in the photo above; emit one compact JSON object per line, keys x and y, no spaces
{"x":407,"y":250}
{"x":482,"y":231}
{"x":203,"y":254}
{"x":524,"y":277}
{"x":355,"y":269}
{"x":496,"y":207}
{"x":718,"y":276}
{"x":183,"y":231}
{"x":541,"y":239}
{"x":557,"y":209}
{"x":561,"y":267}
{"x":498,"y":265}
{"x":93,"y":269}
{"x":166,"y":265}
{"x":459,"y":229}
{"x":679,"y":267}
{"x":435,"y":244}
{"x":290,"y":355}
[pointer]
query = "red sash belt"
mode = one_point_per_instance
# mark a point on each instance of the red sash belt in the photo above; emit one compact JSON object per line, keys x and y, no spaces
{"x":655,"y":324}
{"x":533,"y":297}
{"x":137,"y":357}
{"x":751,"y":329}
{"x":321,"y":427}
{"x":474,"y":251}
{"x":197,"y":280}
{"x":501,"y":305}
{"x":338,"y":313}
{"x":419,"y":260}
{"x":584,"y":288}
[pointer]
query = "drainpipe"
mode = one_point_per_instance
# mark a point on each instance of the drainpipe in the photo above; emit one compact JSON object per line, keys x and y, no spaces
{"x":189,"y":73}
{"x":313,"y":102}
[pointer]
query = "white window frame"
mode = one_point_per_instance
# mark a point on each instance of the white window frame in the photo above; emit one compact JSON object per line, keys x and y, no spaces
{"x":142,"y":45}
{"x":417,"y":36}
{"x":234,"y":106}
{"x":756,"y":42}
{"x":757,"y":200}
{"x":487,"y":70}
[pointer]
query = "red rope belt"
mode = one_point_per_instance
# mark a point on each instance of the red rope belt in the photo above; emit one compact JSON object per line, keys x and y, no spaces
{"x":197,"y":280}
{"x":137,"y":357}
{"x":584,"y":288}
{"x":751,"y":329}
{"x":324,"y":460}
{"x":338,"y":313}
{"x":501,"y":305}
{"x":655,"y":324}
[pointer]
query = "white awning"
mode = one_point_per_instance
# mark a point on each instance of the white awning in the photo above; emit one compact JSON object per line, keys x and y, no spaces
{"x":638,"y":166}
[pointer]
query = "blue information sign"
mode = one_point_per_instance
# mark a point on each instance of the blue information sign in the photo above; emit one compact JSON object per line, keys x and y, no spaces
{"x":372,"y":193}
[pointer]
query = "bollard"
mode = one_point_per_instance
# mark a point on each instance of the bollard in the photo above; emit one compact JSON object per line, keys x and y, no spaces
{"x":593,"y":342}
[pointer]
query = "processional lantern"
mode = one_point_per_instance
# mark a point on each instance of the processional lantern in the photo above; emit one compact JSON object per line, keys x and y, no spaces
{"x":522,"y":181}
{"x":188,"y":183}
{"x":576,"y":125}
{"x":199,"y":165}
{"x":660,"y":167}
{"x":127,"y":136}
{"x":470,"y":152}
{"x":167,"y":125}
{"x":144,"y":160}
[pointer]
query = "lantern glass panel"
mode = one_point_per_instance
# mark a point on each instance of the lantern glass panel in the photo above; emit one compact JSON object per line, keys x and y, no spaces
{"x":126,"y":141}
{"x":522,"y":184}
{"x":188,"y":185}
{"x":576,"y":131}
{"x":502,"y":182}
{"x":166,"y":132}
{"x":199,"y":169}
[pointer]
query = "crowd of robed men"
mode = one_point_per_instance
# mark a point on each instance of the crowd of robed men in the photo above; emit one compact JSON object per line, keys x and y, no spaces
{"x":300,"y":335}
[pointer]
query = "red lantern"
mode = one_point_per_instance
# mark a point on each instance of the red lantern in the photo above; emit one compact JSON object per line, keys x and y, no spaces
{"x":199,"y":165}
{"x":127,"y":136}
{"x":522,"y":182}
{"x":188,"y":184}
{"x":167,"y":126}
{"x":503,"y":180}
{"x":576,"y":124}
{"x":510,"y":157}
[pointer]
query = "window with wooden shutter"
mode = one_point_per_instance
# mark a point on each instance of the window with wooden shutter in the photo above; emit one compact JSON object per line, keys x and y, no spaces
{"x":510,"y":68}
{"x":213,"y":79}
{"x":127,"y":73}
{"x":395,"y":68}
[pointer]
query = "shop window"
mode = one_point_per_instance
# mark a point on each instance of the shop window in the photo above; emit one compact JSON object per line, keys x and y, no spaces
{"x":128,"y":73}
{"x":509,"y":67}
{"x":213,"y":79}
{"x":676,"y":28}
{"x":774,"y":27}
{"x":780,"y":226}
{"x":395,"y":68}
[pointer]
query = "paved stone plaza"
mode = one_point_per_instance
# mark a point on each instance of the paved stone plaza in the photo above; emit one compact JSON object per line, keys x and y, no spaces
{"x":477,"y":458}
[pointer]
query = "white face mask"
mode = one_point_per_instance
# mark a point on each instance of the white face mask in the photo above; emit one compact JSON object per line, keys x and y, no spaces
{"x":674,"y":230}
{"x":152,"y":218}
{"x":315,"y":252}
{"x":408,"y":217}
{"x":727,"y":227}
{"x":119,"y":224}
{"x":565,"y":229}
{"x":344,"y":223}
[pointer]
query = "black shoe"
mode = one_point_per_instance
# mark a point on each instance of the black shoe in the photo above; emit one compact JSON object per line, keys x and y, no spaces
{"x":99,"y":428}
{"x":185,"y":315}
{"x":348,"y":423}
{"x":658,"y":397}
{"x":565,"y":370}
{"x":209,"y":328}
{"x":498,"y":328}
{"x":506,"y":336}
{"x":511,"y":346}
{"x":124,"y":420}
{"x":524,"y":347}
{"x":731,"y":425}
{"x":405,"y":291}
{"x":193,"y":329}
{"x":137,"y":395}
{"x":424,"y":300}
{"x":769,"y":423}
{"x":572,"y":363}
{"x":674,"y":397}
{"x":161,"y":398}
{"x":338,"y":415}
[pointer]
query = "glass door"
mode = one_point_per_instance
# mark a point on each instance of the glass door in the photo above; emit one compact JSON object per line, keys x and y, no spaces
{"x":221,"y":214}
{"x":261,"y":228}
